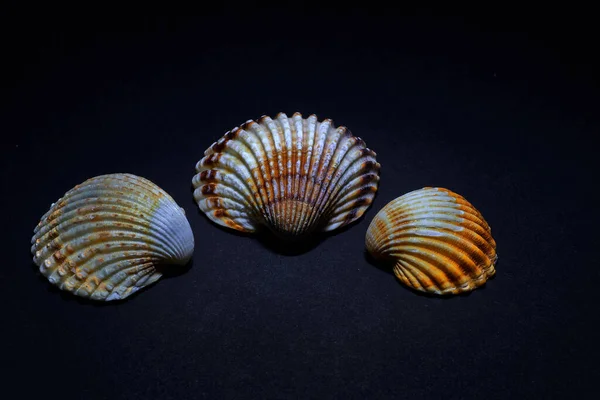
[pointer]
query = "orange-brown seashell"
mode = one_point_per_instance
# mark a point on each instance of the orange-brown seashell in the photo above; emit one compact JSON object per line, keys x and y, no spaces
{"x":438,"y":242}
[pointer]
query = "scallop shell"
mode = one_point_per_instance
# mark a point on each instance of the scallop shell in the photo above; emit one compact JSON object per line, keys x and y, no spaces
{"x":105,"y":237}
{"x":293,"y":175}
{"x":437,"y":240}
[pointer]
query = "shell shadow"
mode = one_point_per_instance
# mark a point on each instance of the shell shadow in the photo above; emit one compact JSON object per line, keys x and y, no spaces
{"x":296,"y":246}
{"x":168,"y":271}
{"x":277,"y":244}
{"x":271,"y":241}
{"x":385,"y":267}
{"x":289,"y":247}
{"x":389,"y":269}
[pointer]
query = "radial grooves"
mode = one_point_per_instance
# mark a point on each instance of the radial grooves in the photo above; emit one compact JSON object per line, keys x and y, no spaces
{"x":111,"y":218}
{"x":108,"y":275}
{"x":228,"y":170}
{"x":101,"y":226}
{"x":328,"y":168}
{"x":411,"y":271}
{"x":205,"y":182}
{"x":109,"y":232}
{"x":309,"y":135}
{"x":439,"y":241}
{"x":293,"y":168}
{"x":261,"y":136}
{"x":356,"y":181}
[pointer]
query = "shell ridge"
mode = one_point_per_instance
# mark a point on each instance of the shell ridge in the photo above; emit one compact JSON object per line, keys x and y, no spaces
{"x":455,"y":219}
{"x":443,"y":206}
{"x":341,"y":188}
{"x":341,"y":181}
{"x":448,"y":221}
{"x":257,"y":173}
{"x":221,"y":197}
{"x":263,"y":137}
{"x":332,"y":143}
{"x":341,"y":212}
{"x":284,"y":125}
{"x":304,"y":152}
{"x":442,"y":196}
{"x":245,"y":174}
{"x":98,"y":251}
{"x":116,"y":284}
{"x":322,"y":137}
{"x":343,"y":145}
{"x":119,"y":182}
{"x":273,"y":161}
{"x":170,"y":219}
{"x":146,"y":280}
{"x":298,"y":131}
{"x":359,"y":193}
{"x":93,"y":275}
{"x":228,"y":162}
{"x":412,"y":273}
{"x":286,"y":173}
{"x":280,"y":151}
{"x":465,"y":263}
{"x":333,"y":210}
{"x":460,"y":242}
{"x":351,"y":172}
{"x":439,"y":276}
{"x":309,"y":134}
{"x":120,"y":290}
{"x":85,"y":231}
{"x":224,"y":210}
{"x":232,"y":160}
{"x":129,"y":281}
{"x":241,"y":175}
{"x":48,"y":259}
{"x":74,"y":220}
{"x":99,"y":195}
{"x":124,"y":257}
{"x":288,"y":167}
{"x":399,"y":271}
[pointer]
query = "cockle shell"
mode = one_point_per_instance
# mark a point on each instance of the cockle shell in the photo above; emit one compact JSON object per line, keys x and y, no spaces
{"x":293,"y":175}
{"x":105,"y":237}
{"x":437,"y":240}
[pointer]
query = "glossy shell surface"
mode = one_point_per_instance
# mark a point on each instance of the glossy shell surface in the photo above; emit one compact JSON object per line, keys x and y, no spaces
{"x":294,"y":175}
{"x":438,"y":242}
{"x":105,"y":238}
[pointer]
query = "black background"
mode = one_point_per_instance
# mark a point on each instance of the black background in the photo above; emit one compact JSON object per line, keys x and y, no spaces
{"x":501,"y":111}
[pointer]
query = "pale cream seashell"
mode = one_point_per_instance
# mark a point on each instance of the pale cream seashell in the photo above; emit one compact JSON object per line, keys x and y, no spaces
{"x":105,"y":238}
{"x":438,"y":242}
{"x":293,"y":175}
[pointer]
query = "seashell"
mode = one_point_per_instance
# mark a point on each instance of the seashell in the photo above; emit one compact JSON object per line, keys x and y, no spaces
{"x":105,"y":237}
{"x":437,"y":240}
{"x":293,"y":175}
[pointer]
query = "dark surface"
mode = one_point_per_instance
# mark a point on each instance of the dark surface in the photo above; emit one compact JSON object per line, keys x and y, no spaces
{"x":502,"y":113}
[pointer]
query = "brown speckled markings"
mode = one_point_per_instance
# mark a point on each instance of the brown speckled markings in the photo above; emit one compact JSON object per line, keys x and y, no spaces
{"x":437,"y":241}
{"x":104,"y":238}
{"x":293,"y":175}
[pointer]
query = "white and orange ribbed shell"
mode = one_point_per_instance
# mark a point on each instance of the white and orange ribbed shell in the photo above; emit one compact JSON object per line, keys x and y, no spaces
{"x":437,"y":241}
{"x":293,"y":175}
{"x":105,"y":237}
